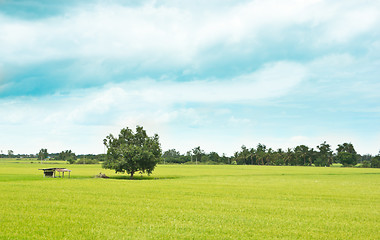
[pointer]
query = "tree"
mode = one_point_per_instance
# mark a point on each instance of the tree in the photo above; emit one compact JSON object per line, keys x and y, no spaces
{"x":346,"y":147}
{"x":375,"y":162}
{"x":346,"y":154}
{"x":43,"y":154}
{"x":172,"y":156}
{"x":302,"y":152}
{"x":260,"y":153}
{"x":324,"y":156}
{"x":198,"y":152}
{"x":214,"y":157}
{"x":270,"y":157}
{"x":289,"y":157}
{"x":279,"y":157}
{"x":10,"y":153}
{"x":345,"y":158}
{"x":67,"y":155}
{"x":242,"y":158}
{"x":132,"y":152}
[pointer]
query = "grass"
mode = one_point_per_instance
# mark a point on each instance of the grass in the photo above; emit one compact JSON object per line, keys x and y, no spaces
{"x":190,"y":202}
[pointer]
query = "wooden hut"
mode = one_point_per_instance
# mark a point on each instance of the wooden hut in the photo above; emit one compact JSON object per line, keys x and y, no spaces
{"x":51,"y":172}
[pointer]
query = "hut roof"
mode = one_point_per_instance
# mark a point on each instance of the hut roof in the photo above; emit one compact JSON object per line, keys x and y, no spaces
{"x":56,"y":169}
{"x":63,"y":170}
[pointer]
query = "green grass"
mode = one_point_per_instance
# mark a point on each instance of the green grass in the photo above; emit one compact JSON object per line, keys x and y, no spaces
{"x":190,"y":202}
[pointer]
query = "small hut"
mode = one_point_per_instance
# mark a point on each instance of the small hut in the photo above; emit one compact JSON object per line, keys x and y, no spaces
{"x":50,"y":172}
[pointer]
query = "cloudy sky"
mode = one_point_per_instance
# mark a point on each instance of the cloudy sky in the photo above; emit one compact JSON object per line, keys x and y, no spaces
{"x":216,"y":74}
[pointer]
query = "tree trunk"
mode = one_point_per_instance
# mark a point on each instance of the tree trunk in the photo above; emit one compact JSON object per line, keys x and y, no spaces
{"x":132,"y":174}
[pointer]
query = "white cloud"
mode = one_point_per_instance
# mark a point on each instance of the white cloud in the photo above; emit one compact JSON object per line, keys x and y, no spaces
{"x":169,"y":35}
{"x":273,"y":80}
{"x":173,"y":38}
{"x":340,"y":75}
{"x":351,"y":22}
{"x":147,"y":102}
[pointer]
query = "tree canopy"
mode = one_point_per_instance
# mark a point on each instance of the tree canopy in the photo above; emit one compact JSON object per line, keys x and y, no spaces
{"x":132,"y":152}
{"x":67,"y":155}
{"x":43,"y":154}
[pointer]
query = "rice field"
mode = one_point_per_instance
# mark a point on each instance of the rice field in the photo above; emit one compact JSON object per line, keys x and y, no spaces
{"x":190,"y":202}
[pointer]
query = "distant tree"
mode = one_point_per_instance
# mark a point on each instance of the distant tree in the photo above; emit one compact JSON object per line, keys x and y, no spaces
{"x":365,"y":157}
{"x":68,"y":156}
{"x":186,"y":157}
{"x":225,"y":159}
{"x":278,"y":157}
{"x":347,"y":159}
{"x":346,"y":147}
{"x":366,"y":164}
{"x":346,"y":154}
{"x":171,"y":156}
{"x":198,"y":152}
{"x":242,"y":157}
{"x":289,"y":157}
{"x":10,"y":153}
{"x":324,"y":156}
{"x":271,"y":156}
{"x":43,"y":154}
{"x":132,"y":152}
{"x":375,"y":162}
{"x":302,"y":153}
{"x":252,"y":156}
{"x":214,"y":157}
{"x":261,"y":153}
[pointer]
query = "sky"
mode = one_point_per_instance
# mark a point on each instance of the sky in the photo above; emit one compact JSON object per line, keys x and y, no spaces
{"x":217,"y":74}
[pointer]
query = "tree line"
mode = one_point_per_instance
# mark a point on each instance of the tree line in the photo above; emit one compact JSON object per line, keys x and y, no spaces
{"x":67,"y":155}
{"x":302,"y":155}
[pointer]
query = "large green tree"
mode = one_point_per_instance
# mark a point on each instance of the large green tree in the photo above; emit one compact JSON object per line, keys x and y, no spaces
{"x":132,"y":152}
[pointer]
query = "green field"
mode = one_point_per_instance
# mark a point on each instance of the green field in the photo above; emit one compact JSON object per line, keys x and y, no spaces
{"x":190,"y":202}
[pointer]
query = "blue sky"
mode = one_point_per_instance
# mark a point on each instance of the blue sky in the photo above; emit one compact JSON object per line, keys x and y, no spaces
{"x":217,"y":75}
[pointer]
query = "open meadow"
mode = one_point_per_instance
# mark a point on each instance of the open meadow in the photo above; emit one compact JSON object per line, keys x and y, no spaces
{"x":190,"y":202}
